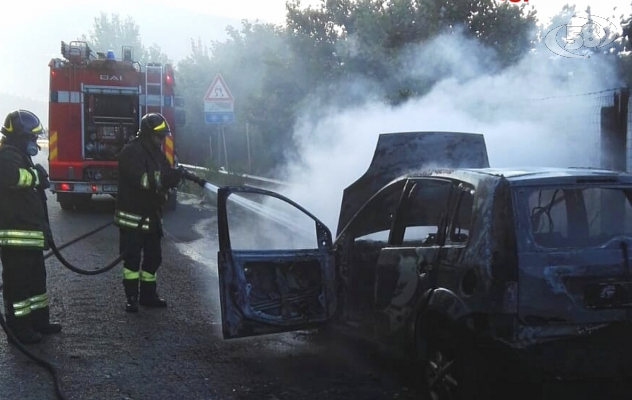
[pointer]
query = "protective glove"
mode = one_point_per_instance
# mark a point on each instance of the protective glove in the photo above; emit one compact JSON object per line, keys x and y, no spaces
{"x":42,"y":176}
{"x":171,"y":177}
{"x":192,"y":177}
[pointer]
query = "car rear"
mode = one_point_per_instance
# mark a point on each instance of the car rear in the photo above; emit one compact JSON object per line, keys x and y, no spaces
{"x":574,"y":239}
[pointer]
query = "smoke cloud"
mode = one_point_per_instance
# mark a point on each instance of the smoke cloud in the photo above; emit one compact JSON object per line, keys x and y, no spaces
{"x":529,"y":113}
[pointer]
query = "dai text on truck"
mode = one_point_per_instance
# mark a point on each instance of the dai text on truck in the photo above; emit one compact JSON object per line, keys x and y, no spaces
{"x":95,"y":106}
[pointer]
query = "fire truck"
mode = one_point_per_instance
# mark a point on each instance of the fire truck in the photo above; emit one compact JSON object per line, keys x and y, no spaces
{"x":95,"y":106}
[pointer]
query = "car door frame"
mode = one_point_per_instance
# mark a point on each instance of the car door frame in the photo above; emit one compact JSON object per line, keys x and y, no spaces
{"x":425,"y":267}
{"x":238,"y":317}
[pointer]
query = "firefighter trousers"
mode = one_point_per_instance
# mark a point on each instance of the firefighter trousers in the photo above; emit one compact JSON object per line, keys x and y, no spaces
{"x":140,"y":246}
{"x":24,"y":293}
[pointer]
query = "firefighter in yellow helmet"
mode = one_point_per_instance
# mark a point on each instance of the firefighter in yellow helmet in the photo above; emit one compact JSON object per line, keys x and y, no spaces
{"x":23,"y":229}
{"x":144,"y":179}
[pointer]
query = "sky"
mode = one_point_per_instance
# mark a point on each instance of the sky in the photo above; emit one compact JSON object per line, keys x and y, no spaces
{"x":31,"y":31}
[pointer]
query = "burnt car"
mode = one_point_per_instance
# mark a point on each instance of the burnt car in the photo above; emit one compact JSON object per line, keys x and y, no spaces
{"x":440,"y":258}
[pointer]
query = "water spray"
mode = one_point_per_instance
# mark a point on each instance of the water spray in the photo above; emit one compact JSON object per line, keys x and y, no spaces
{"x":263,"y":211}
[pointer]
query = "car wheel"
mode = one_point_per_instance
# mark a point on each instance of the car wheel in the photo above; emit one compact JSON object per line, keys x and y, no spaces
{"x":441,"y":369}
{"x":449,"y":363}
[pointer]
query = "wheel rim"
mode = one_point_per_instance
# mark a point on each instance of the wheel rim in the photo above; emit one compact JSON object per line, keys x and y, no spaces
{"x":440,"y":375}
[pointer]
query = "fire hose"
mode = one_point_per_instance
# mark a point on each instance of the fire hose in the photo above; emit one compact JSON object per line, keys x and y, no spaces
{"x":56,"y":251}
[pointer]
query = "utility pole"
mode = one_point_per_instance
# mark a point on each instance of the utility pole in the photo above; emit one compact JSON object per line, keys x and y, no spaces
{"x":248,"y":148}
{"x":210,"y":145}
{"x":225,"y":152}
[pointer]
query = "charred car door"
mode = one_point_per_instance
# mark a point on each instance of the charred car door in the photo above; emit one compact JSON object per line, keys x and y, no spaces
{"x":275,"y":262}
{"x":406,"y":268}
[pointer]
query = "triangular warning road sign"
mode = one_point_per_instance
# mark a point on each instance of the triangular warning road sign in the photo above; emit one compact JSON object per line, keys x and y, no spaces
{"x":218,"y":91}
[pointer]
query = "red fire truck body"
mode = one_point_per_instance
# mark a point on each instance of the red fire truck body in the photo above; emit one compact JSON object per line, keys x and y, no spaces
{"x":95,"y":107}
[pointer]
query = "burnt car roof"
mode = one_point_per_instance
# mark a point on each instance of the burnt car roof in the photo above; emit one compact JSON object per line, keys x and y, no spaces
{"x":408,"y":154}
{"x":543,"y":175}
{"x":400,"y":154}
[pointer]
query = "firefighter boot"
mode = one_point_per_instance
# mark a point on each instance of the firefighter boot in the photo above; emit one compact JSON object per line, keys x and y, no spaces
{"x":149,"y":296}
{"x":41,"y":322}
{"x":132,"y":304}
{"x":22,"y":328}
{"x":131,"y":293}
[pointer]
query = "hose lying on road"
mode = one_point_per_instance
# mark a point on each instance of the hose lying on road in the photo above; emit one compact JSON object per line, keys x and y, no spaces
{"x":77,"y":239}
{"x":56,"y":251}
{"x":50,"y":367}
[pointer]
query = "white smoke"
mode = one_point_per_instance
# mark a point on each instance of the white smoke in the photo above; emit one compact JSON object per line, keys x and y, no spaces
{"x":473,"y":94}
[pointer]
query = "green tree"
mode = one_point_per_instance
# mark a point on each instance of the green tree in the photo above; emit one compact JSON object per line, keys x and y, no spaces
{"x":259,"y":68}
{"x":112,"y":33}
{"x":367,"y":37}
{"x":623,"y":47}
{"x":274,"y":72}
{"x":618,"y":51}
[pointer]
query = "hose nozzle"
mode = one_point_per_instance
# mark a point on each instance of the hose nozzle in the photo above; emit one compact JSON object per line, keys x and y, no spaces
{"x":190,"y":176}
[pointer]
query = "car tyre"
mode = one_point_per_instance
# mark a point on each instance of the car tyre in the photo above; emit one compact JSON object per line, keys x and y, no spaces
{"x":450,"y":366}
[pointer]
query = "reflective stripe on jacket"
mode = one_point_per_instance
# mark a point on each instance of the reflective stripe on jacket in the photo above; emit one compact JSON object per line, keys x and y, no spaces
{"x":22,"y":216}
{"x":141,"y":190}
{"x":144,"y":180}
{"x":26,"y":178}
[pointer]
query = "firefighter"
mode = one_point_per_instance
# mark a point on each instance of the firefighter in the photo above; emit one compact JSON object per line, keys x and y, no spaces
{"x":144,"y":178}
{"x":24,"y":230}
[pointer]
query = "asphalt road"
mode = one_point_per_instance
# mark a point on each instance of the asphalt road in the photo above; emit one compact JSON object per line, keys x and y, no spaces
{"x":178,"y":353}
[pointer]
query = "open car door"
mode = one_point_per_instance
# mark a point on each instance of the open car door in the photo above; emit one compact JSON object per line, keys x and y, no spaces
{"x":276,"y":264}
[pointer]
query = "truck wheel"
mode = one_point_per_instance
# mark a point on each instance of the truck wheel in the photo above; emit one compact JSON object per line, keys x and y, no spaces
{"x":66,"y":202}
{"x":82,"y":202}
{"x":67,"y":205}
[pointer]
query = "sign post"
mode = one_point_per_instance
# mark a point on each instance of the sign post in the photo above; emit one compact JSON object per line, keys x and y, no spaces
{"x":219,"y":109}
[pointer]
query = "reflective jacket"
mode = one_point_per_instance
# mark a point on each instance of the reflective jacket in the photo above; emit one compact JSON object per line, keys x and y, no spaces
{"x":22,"y":216}
{"x":142,"y":191}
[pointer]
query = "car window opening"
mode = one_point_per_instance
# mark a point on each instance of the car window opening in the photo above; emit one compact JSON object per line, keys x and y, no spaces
{"x":578,"y":217}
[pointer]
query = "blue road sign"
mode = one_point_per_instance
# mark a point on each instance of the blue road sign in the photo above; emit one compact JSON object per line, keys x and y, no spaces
{"x":219,"y":117}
